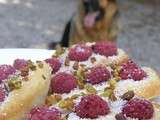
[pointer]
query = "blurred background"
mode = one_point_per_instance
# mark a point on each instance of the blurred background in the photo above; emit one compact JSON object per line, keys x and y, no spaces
{"x":36,"y":23}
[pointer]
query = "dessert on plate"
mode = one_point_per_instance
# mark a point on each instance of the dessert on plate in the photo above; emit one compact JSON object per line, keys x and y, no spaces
{"x":94,"y":81}
{"x":22,"y":86}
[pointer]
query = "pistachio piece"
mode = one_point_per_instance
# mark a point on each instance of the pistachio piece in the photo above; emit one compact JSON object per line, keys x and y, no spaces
{"x":93,"y":60}
{"x":14,"y":83}
{"x":112,"y":97}
{"x":128,"y":95}
{"x":90,"y":89}
{"x":59,"y":51}
{"x":53,"y":99}
{"x":107,"y":93}
{"x":67,"y":104}
{"x":120,"y":116}
{"x":67,"y":61}
{"x":40,"y":64}
{"x":76,"y":66}
{"x":31,"y":65}
{"x":24,"y":71}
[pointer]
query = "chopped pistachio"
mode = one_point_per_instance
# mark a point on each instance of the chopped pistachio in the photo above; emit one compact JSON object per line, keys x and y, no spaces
{"x":43,"y":76}
{"x":67,"y":61}
{"x":93,"y":60}
{"x":14,"y":83}
{"x":67,"y":104}
{"x":40,"y":64}
{"x":112,"y":83}
{"x":24,"y":71}
{"x":120,"y":116}
{"x":112,"y":97}
{"x":90,"y":89}
{"x":107,"y":93}
{"x":53,"y":99}
{"x":59,"y":51}
{"x":76,"y":66}
{"x":80,"y":84}
{"x":75,"y":96}
{"x":128,"y":95}
{"x":31,"y":65}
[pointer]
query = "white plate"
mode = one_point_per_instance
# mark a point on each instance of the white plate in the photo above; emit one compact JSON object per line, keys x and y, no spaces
{"x":7,"y":56}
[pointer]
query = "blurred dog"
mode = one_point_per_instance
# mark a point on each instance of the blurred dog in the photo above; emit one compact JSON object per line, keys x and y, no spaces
{"x":95,"y":20}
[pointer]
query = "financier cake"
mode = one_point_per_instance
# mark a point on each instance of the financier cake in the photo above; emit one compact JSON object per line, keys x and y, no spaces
{"x":98,"y":81}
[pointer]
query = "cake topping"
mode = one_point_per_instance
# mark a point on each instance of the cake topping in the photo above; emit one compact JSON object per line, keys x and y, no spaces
{"x":40,"y":64}
{"x":131,"y":71}
{"x":2,"y":94}
{"x":120,"y":116}
{"x":44,"y":113}
{"x":67,"y":61}
{"x":92,"y":106}
{"x":80,"y":52}
{"x":54,"y":63}
{"x":5,"y":71}
{"x":20,"y":64}
{"x":98,"y":74}
{"x":31,"y":65}
{"x":67,"y":104}
{"x":14,"y":83}
{"x":128,"y":95}
{"x":93,"y":60}
{"x":53,"y":99}
{"x":105,"y":48}
{"x":59,"y":51}
{"x":63,"y":83}
{"x":90,"y":89}
{"x":24,"y":71}
{"x":139,"y":109}
{"x":76,"y":65}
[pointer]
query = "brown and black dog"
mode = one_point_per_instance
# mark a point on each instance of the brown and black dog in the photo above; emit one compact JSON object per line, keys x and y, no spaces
{"x":95,"y":20}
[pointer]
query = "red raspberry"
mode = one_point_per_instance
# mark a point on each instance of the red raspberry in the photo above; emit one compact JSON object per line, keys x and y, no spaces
{"x":44,"y":113}
{"x":138,"y":108}
{"x":132,"y":71}
{"x":105,"y":48}
{"x":5,"y":71}
{"x":129,"y":65}
{"x":20,"y":64}
{"x":92,"y":106}
{"x":2,"y":94}
{"x":80,"y":53}
{"x":54,"y":63}
{"x":98,"y":74}
{"x":63,"y":83}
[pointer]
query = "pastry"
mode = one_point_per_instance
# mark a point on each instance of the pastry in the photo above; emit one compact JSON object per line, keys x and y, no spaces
{"x":22,"y":87}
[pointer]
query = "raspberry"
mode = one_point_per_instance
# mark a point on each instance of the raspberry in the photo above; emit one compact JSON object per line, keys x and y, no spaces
{"x":92,"y":106}
{"x":98,"y":74}
{"x":129,"y":65}
{"x":5,"y":71}
{"x":20,"y":64}
{"x":63,"y":83}
{"x":138,"y":108}
{"x":80,"y":53}
{"x":2,"y":94}
{"x":54,"y":63}
{"x":105,"y":48}
{"x":44,"y":113}
{"x":132,"y":71}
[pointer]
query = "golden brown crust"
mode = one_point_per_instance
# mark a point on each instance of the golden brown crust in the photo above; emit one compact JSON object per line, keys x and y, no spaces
{"x":147,"y":88}
{"x":33,"y":92}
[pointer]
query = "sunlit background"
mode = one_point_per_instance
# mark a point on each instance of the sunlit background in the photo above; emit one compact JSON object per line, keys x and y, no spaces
{"x":36,"y":23}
